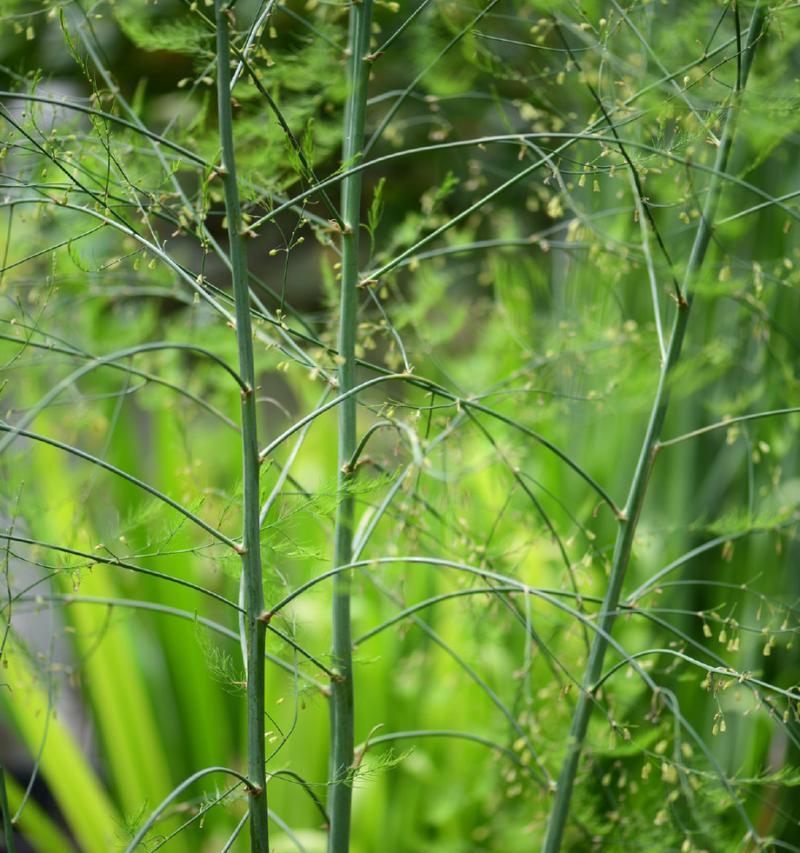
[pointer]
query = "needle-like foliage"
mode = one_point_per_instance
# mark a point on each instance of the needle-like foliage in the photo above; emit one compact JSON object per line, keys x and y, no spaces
{"x":398,"y":425}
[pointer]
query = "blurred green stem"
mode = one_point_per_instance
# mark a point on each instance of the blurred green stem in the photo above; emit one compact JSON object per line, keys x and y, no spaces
{"x":255,"y":626}
{"x":8,"y":826}
{"x":342,"y":723}
{"x":641,"y":476}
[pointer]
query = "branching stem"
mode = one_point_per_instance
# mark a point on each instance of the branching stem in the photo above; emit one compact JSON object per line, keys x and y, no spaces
{"x":255,"y":628}
{"x":341,"y":706}
{"x":638,"y":489}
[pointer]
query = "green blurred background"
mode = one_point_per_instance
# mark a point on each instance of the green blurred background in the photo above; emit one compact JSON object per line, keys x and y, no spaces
{"x":537,"y":305}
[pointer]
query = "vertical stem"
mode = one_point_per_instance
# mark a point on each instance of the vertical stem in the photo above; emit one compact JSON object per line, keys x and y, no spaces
{"x":8,"y":824}
{"x":255,"y":626}
{"x":342,"y":723}
{"x":638,"y":489}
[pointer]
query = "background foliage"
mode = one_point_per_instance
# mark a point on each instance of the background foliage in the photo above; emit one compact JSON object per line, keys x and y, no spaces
{"x":527,"y":326}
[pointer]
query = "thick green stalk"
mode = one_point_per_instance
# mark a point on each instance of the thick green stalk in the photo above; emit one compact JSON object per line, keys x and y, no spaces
{"x":255,"y":625}
{"x":638,"y":489}
{"x":342,"y":723}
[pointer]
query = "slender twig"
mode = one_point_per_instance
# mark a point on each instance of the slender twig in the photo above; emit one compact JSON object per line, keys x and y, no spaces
{"x":378,"y":52}
{"x":569,"y":137}
{"x":67,"y":349}
{"x":141,"y":484}
{"x":499,"y":749}
{"x":166,"y":610}
{"x":728,"y":423}
{"x":251,"y":547}
{"x":392,"y":111}
{"x":236,"y":833}
{"x":78,"y":107}
{"x":95,"y":559}
{"x":176,"y":792}
{"x":119,"y":355}
{"x":651,"y":271}
{"x":307,"y":168}
{"x":459,"y":403}
{"x":256,"y":29}
{"x":638,"y":489}
{"x":677,"y":89}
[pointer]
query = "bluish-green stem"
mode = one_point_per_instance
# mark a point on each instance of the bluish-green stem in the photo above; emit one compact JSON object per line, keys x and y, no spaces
{"x":341,"y":705}
{"x":255,"y":625}
{"x":638,"y":489}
